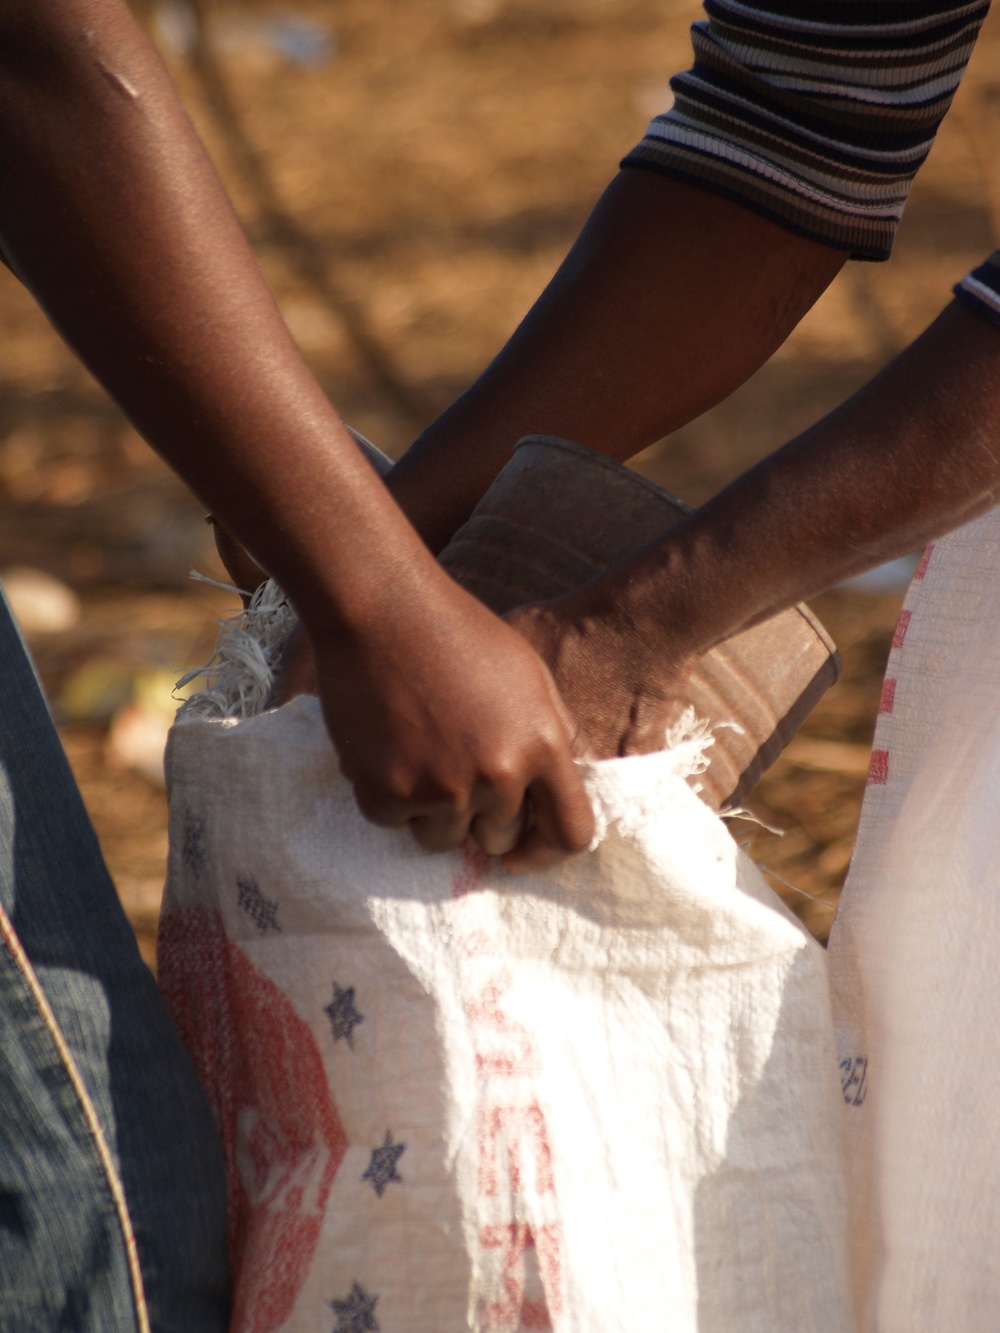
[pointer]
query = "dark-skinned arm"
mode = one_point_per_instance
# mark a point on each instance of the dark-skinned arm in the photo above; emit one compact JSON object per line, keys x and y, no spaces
{"x":669,"y":300}
{"x":112,"y":215}
{"x":912,"y":455}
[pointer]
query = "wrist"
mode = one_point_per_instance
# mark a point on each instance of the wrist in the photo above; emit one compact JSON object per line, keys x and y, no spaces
{"x":398,"y":604}
{"x":646,"y":605}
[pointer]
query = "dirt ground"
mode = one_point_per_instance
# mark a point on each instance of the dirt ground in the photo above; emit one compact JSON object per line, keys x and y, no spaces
{"x":410,"y":172}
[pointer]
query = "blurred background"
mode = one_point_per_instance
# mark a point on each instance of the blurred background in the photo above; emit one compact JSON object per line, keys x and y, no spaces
{"x":410,"y":173}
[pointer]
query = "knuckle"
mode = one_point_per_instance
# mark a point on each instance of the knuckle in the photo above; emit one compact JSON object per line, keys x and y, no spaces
{"x":496,"y":838}
{"x":502,"y":773}
{"x":554,"y":742}
{"x":533,"y":860}
{"x":449,"y":801}
{"x":383,"y":800}
{"x":438,"y":835}
{"x":374,"y":808}
{"x":578,"y":839}
{"x":577,"y":827}
{"x":406,"y":788}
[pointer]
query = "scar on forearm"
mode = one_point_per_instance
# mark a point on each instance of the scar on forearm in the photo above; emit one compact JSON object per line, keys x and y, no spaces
{"x":120,"y":84}
{"x":118,"y":81}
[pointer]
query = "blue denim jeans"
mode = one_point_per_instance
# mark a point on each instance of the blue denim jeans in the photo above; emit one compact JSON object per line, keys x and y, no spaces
{"x":112,"y":1193}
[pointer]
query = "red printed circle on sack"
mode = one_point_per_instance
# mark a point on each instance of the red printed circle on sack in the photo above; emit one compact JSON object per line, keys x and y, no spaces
{"x":264,"y":1077}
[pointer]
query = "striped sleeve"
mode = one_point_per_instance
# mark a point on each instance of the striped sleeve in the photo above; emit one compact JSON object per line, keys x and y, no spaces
{"x":816,"y":113}
{"x":980,"y":289}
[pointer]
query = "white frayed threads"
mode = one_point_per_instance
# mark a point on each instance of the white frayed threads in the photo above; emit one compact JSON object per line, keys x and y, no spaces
{"x":239,"y":676}
{"x":766,"y":870}
{"x":641,"y":780}
{"x":688,"y":740}
{"x":740,"y":812}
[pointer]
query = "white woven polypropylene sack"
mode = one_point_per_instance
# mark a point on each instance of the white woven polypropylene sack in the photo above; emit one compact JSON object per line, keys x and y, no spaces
{"x":914,"y":957}
{"x":597,"y":1100}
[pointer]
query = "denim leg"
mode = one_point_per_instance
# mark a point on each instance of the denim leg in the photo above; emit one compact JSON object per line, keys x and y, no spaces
{"x":139,"y":1150}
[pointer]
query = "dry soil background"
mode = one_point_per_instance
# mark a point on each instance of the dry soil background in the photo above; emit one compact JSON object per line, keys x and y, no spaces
{"x":410,"y":172}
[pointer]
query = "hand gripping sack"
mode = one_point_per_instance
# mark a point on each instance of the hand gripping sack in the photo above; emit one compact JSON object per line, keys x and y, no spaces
{"x":601,"y":1099}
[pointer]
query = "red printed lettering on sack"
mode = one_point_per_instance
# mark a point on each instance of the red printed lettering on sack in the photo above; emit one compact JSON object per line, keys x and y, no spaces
{"x":513,"y":1146}
{"x":512,"y":1051}
{"x":902,"y":625}
{"x":878,"y":768}
{"x":514,"y":1127}
{"x":515,"y":1310}
{"x":474,"y":866}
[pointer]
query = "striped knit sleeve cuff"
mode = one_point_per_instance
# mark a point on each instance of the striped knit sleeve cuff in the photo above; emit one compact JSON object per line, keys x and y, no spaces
{"x":817,"y":116}
{"x":980,"y":289}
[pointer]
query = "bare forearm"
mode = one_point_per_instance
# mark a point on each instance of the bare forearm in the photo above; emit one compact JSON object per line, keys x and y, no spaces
{"x":911,"y":456}
{"x":669,"y":300}
{"x":113,"y":216}
{"x":914,"y":454}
